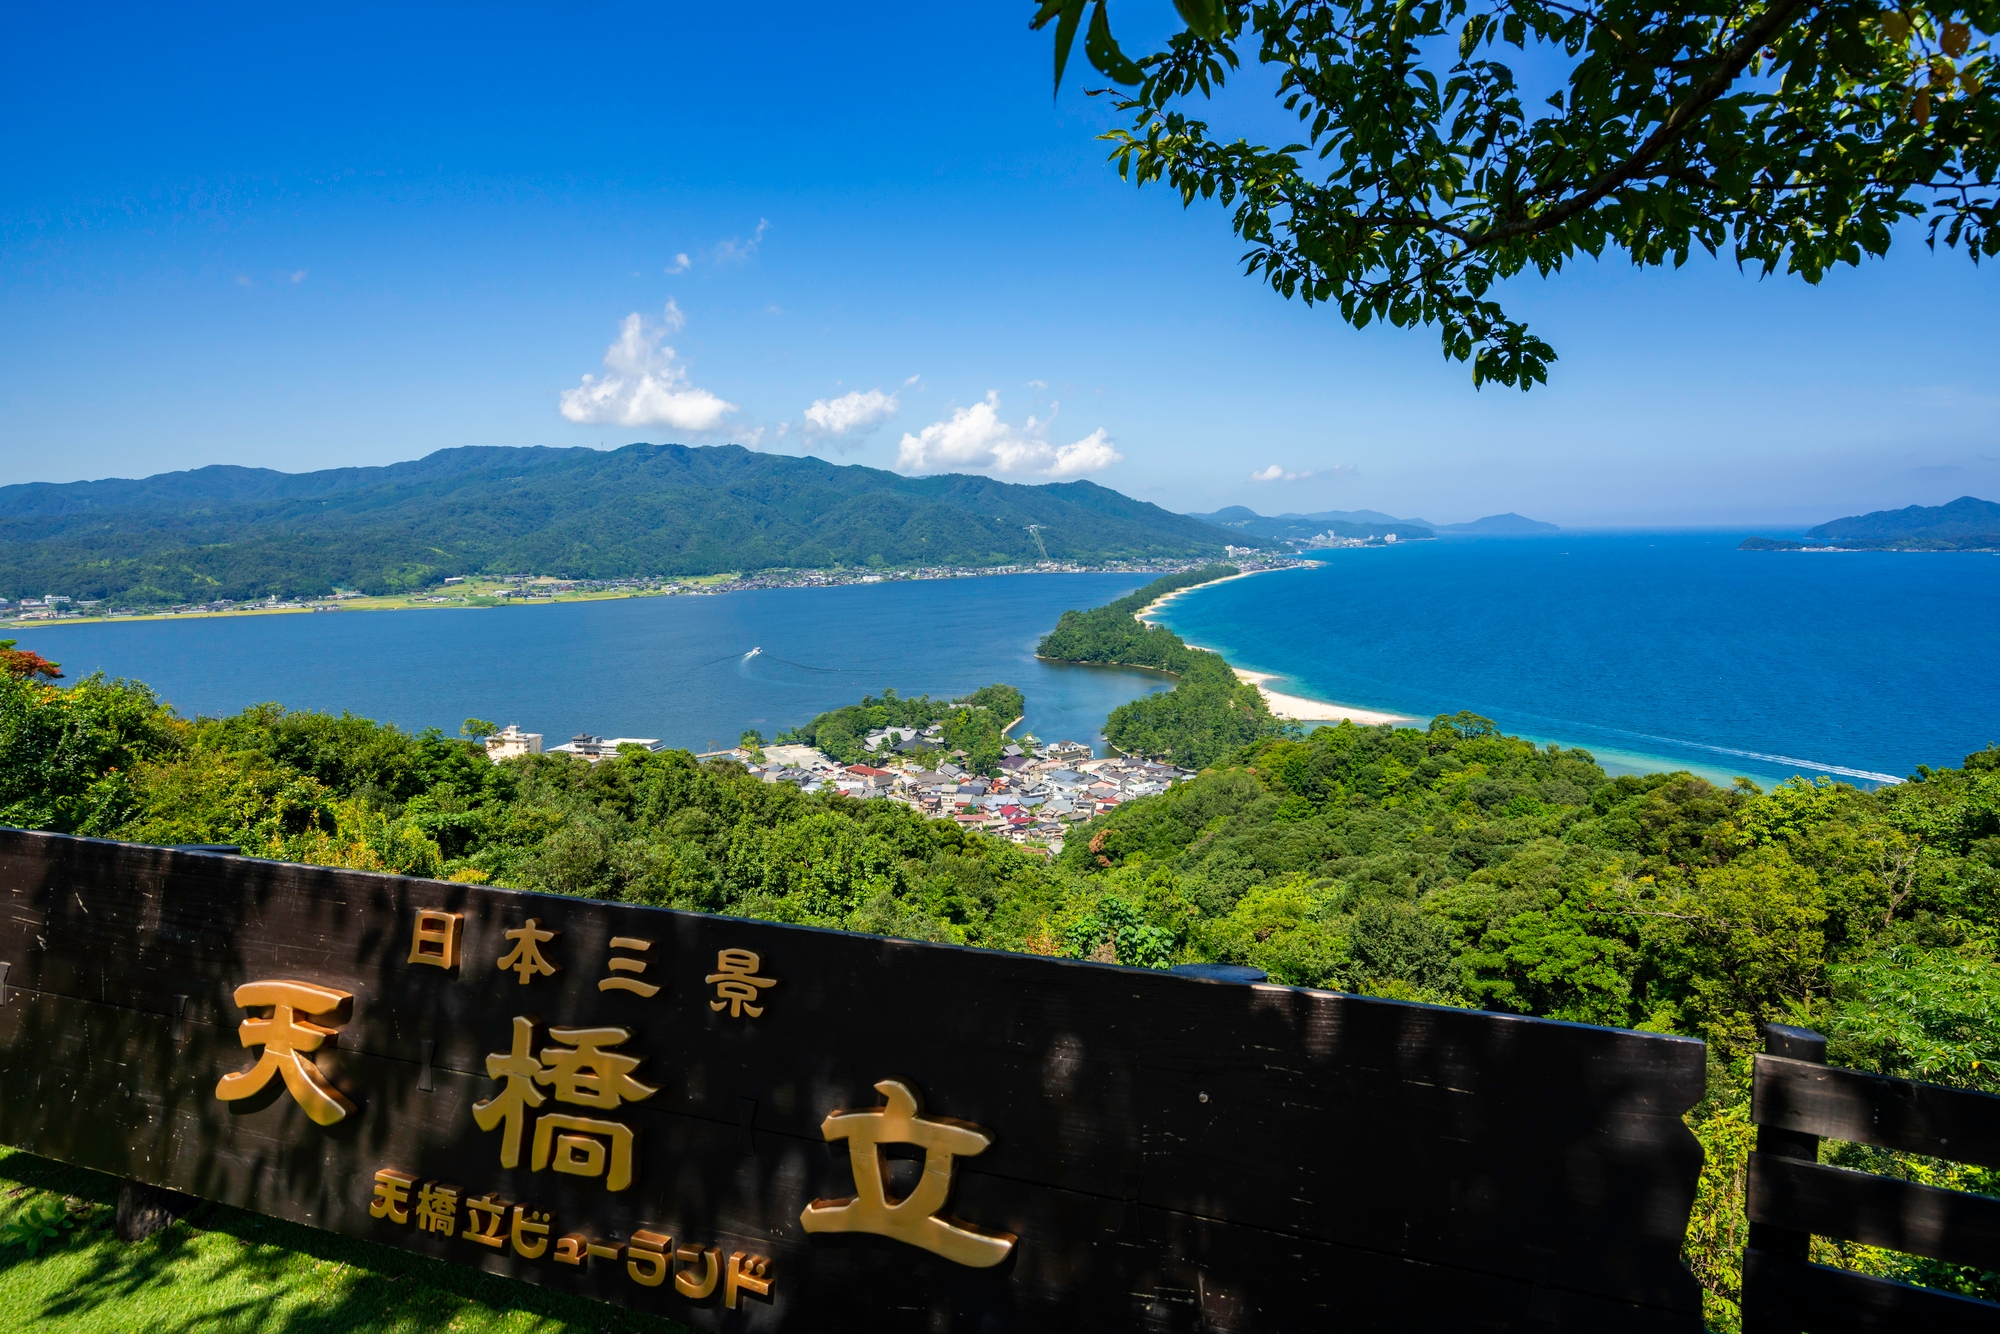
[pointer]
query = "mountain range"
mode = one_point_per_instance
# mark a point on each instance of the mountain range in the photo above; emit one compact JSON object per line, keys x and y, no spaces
{"x":1362,"y":524}
{"x":640,"y":511}
{"x":1966,"y":524}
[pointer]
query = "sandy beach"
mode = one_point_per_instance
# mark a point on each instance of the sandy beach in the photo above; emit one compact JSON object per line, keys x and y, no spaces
{"x":1303,"y":710}
{"x":1296,"y":708}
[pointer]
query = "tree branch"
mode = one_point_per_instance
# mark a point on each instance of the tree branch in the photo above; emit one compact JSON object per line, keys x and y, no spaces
{"x":1733,"y":63}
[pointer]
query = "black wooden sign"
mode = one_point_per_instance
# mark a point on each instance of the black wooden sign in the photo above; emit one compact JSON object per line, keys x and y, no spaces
{"x":743,"y":1125}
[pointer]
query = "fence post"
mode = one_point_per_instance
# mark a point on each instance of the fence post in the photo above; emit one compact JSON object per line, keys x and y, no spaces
{"x":1764,"y":1312}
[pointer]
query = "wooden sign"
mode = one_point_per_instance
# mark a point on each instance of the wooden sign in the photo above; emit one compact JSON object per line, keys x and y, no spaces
{"x":743,"y":1125}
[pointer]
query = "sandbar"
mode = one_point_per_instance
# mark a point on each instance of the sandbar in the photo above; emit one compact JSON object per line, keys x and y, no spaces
{"x":1299,"y":709}
{"x":1293,"y":708}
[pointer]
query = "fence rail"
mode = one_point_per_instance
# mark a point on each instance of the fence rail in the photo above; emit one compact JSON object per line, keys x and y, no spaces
{"x":1797,"y":1099}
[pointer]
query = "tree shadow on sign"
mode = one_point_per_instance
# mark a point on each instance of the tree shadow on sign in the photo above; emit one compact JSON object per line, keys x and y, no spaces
{"x":225,"y":1269}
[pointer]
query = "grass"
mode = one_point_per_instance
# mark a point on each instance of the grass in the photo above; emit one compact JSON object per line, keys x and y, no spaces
{"x":224,"y":1271}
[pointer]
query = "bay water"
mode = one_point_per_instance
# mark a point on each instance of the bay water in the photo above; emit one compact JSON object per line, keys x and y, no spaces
{"x":1653,"y":650}
{"x":692,"y":671}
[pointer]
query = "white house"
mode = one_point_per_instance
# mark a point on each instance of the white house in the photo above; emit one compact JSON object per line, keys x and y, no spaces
{"x":595,"y":748}
{"x":510,"y":741}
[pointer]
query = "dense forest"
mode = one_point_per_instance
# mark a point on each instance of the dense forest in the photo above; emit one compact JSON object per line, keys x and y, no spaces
{"x":1208,"y":715}
{"x":637,"y":512}
{"x":1449,"y":864}
{"x":976,"y":724}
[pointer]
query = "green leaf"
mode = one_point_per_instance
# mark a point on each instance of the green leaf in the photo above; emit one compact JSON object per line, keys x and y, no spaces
{"x":1104,"y":53}
{"x":1072,"y":12}
{"x":1203,"y":16}
{"x":1468,"y":38}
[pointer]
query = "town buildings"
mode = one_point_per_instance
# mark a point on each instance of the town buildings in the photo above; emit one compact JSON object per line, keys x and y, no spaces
{"x":595,"y":748}
{"x":510,"y":741}
{"x":1040,"y":794}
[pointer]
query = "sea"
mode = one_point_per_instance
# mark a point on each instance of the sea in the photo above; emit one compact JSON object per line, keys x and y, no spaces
{"x":1655,"y":651}
{"x":1652,"y":650}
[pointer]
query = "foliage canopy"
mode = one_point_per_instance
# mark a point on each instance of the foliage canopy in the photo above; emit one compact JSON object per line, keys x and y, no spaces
{"x":1208,"y":715}
{"x":1449,"y":864}
{"x":975,"y":724}
{"x":1447,"y":145}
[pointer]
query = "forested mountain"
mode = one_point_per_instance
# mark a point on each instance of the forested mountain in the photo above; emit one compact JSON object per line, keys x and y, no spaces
{"x":1968,"y":516}
{"x":1966,"y":524}
{"x":1509,"y":524}
{"x":644,"y":510}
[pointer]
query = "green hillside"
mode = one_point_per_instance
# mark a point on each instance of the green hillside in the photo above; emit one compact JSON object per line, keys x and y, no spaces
{"x":1448,"y":864}
{"x":640,"y":511}
{"x":1966,"y":524}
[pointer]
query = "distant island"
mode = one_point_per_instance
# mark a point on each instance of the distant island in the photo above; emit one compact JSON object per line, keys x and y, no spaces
{"x":238,"y":534}
{"x":1333,"y":528}
{"x":1509,"y":524}
{"x":1966,"y":524}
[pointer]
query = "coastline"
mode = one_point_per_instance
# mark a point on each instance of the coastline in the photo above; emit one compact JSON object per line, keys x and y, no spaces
{"x":1164,"y":598}
{"x":1299,"y":709}
{"x":1292,"y":708}
{"x":490,"y":590}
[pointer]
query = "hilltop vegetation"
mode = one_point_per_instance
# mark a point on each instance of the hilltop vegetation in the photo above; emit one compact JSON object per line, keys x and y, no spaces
{"x":1208,"y":715}
{"x":976,"y":724}
{"x":1449,"y":864}
{"x":641,"y":511}
{"x":1112,"y":635}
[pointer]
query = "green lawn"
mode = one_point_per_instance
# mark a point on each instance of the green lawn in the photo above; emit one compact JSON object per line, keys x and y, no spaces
{"x":223,"y":1271}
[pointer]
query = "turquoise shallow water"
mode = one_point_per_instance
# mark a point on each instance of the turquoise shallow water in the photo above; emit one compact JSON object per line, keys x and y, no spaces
{"x":1653,"y":650}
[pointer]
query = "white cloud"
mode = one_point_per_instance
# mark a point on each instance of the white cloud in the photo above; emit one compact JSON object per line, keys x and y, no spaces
{"x":912,"y":380}
{"x":299,"y":276}
{"x":1038,"y":384}
{"x":976,"y":440}
{"x":643,"y":384}
{"x":1276,"y":474}
{"x":681,"y":264}
{"x":850,"y":414}
{"x":736,"y":250}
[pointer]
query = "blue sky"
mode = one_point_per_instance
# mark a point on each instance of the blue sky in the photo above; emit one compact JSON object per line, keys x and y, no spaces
{"x":357,"y":235}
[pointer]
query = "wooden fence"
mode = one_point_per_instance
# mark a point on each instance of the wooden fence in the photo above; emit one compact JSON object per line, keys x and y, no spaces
{"x":745,"y":1125}
{"x":1798,"y":1100}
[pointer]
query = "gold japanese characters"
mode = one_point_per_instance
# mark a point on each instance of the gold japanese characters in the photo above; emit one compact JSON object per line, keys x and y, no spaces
{"x":562,"y":1103}
{"x":736,"y":983}
{"x":525,"y":959}
{"x":619,"y":966}
{"x":287,"y":1041}
{"x":917,"y":1217}
{"x":435,"y":939}
{"x":650,"y":1258}
{"x":585,"y":1072}
{"x":739,"y":987}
